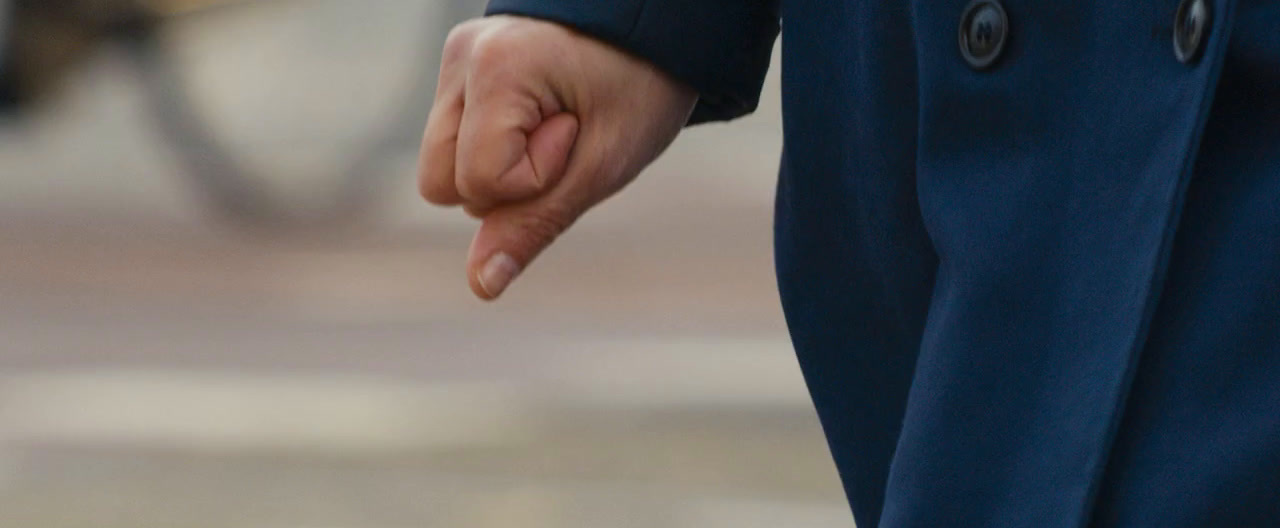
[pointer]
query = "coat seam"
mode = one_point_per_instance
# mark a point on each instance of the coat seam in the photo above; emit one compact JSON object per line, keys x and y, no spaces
{"x":635,"y":24}
{"x":1155,"y":285}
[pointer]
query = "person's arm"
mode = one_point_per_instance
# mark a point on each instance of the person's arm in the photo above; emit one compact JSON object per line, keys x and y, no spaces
{"x":540,"y":116}
{"x":721,"y":48}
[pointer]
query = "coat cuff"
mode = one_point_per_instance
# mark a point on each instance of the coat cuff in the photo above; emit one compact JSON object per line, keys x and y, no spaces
{"x":721,"y":48}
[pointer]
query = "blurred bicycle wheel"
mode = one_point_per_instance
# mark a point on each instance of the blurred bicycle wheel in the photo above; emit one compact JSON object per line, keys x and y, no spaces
{"x":292,"y":112}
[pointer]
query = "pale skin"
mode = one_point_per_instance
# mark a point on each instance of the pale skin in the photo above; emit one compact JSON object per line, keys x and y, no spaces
{"x":533,"y":125}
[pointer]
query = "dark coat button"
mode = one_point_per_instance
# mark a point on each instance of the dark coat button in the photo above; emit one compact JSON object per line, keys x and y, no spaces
{"x":984,"y":27}
{"x":1191,"y":29}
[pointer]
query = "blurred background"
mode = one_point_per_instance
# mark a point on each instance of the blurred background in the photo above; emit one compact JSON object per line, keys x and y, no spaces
{"x":222,"y":303}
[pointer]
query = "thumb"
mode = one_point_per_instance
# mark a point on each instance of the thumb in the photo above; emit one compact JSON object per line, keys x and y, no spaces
{"x":510,"y":238}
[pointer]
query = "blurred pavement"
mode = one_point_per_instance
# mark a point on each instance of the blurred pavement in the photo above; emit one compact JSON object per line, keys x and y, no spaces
{"x":159,"y":369}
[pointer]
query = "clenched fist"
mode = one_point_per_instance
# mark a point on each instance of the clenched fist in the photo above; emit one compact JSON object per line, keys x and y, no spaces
{"x":533,"y":124}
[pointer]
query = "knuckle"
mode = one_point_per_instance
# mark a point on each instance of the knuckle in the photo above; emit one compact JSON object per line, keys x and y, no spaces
{"x":476,"y":211}
{"x":436,"y":190}
{"x":458,"y":44}
{"x":475,"y":188}
{"x":435,"y":181}
{"x":469,"y":184}
{"x":428,"y":193}
{"x":493,"y":50}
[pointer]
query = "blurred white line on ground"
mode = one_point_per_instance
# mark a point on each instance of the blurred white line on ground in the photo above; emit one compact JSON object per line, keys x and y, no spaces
{"x":231,"y":412}
{"x":768,"y":514}
{"x":237,"y":411}
{"x":732,"y":373}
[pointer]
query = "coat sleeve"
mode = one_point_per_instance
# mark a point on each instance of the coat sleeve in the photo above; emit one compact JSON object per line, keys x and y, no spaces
{"x":719,"y":47}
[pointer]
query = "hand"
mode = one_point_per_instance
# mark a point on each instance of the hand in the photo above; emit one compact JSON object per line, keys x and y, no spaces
{"x":533,"y":124}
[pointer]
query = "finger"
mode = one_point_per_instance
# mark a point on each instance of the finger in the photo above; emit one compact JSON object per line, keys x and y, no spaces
{"x":508,"y":142}
{"x":436,"y":162}
{"x":549,"y":148}
{"x":440,"y":139}
{"x":542,"y":165}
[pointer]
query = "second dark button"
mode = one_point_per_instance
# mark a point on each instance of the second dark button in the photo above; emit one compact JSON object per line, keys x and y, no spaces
{"x":1191,"y":29}
{"x":984,"y":28}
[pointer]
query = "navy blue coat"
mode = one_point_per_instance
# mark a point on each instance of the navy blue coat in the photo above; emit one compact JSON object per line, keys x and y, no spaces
{"x":1044,"y":294}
